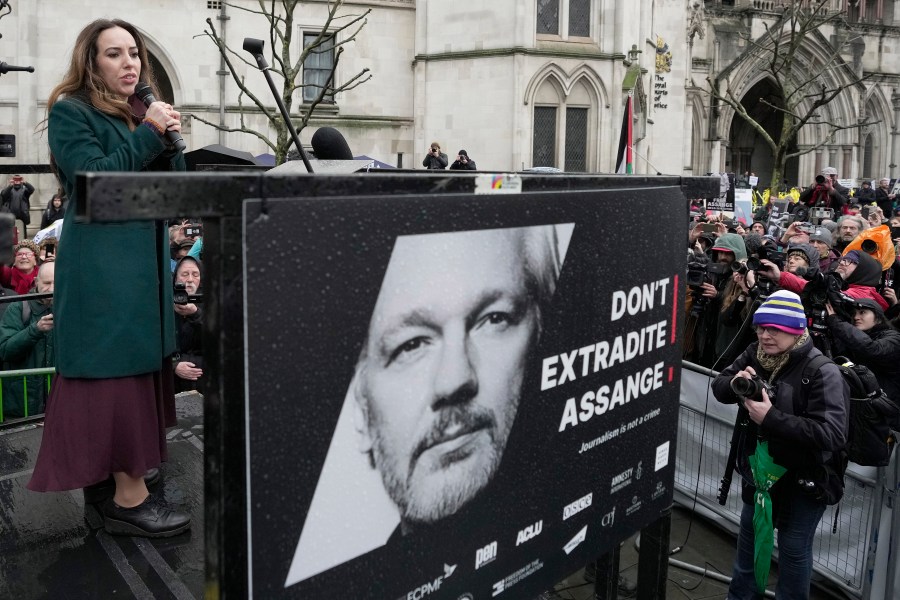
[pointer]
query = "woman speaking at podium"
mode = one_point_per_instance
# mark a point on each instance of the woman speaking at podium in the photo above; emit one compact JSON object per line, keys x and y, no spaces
{"x":113,"y":395}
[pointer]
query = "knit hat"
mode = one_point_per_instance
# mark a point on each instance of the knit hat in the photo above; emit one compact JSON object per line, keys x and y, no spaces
{"x":782,"y":310}
{"x":821,"y":234}
{"x":829,"y":171}
{"x":462,"y":153}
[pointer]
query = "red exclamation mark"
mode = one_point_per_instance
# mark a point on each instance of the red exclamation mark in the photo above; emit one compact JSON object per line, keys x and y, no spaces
{"x":674,"y":309}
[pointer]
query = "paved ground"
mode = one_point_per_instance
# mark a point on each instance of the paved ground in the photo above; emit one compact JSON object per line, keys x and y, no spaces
{"x":53,"y":547}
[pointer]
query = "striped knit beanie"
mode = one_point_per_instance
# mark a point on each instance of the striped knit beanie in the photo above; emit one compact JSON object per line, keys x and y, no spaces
{"x":782,"y":310}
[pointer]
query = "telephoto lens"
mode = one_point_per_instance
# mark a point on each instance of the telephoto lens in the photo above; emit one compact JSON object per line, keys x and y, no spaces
{"x":869,"y":246}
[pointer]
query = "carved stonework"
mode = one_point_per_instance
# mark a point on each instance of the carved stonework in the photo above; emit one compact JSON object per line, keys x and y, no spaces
{"x":695,"y":21}
{"x":663,"y":56}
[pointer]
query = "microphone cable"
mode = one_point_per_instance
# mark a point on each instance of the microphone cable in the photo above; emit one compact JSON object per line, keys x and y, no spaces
{"x":737,"y":336}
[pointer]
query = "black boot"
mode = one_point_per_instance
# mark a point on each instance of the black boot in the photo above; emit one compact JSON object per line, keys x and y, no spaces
{"x":148,"y":519}
{"x":104,"y":490}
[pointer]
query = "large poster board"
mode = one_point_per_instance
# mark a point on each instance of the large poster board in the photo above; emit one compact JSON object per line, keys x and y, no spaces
{"x":725,"y":201}
{"x":456,"y":396}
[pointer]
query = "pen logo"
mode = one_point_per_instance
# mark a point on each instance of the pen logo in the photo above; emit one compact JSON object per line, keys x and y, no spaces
{"x":485,"y":555}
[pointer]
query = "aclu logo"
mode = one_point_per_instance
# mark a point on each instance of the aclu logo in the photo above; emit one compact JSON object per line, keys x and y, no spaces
{"x":532,"y":531}
{"x":578,"y":506}
{"x":431,"y":587}
{"x":621,"y":480}
{"x":485,"y":555}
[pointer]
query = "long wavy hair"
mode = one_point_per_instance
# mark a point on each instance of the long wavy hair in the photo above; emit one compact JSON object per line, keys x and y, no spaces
{"x":83,"y":79}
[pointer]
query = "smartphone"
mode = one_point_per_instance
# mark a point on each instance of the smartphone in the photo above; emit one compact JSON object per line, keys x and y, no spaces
{"x":708,"y":227}
{"x":193,"y":230}
{"x":895,"y":233}
{"x":864,"y":212}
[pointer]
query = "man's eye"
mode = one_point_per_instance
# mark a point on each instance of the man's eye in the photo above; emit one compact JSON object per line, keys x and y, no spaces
{"x":407,"y":347}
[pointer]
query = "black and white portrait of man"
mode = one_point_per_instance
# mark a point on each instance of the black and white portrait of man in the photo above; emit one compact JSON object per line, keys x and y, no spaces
{"x":436,"y":388}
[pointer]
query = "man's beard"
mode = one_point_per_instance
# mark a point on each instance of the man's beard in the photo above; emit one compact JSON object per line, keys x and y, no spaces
{"x":419,"y":498}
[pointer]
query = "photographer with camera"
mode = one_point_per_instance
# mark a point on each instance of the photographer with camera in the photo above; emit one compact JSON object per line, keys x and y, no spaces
{"x":801,"y":260}
{"x":185,"y":239}
{"x":797,"y":232}
{"x":188,"y":357}
{"x":858,"y":271}
{"x":869,"y":339}
{"x":709,"y":284}
{"x":802,"y":423}
{"x":26,"y":342}
{"x":463,"y":162}
{"x":435,"y":159}
{"x":826,"y":192}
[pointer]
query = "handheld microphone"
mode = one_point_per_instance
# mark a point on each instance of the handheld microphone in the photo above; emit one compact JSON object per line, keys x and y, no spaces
{"x":329,"y":144}
{"x":143,"y":91}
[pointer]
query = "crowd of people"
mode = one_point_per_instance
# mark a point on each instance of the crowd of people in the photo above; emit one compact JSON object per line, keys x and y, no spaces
{"x":766,"y":299}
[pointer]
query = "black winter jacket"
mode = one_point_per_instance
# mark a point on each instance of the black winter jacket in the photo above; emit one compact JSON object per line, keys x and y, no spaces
{"x":878,"y":349}
{"x":801,"y":440}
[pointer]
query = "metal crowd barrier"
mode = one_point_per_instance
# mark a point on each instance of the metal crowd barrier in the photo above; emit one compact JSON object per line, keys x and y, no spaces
{"x":859,"y":558}
{"x":23,"y":373}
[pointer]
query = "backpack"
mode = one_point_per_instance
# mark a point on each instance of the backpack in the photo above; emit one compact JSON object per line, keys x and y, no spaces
{"x":870,"y":440}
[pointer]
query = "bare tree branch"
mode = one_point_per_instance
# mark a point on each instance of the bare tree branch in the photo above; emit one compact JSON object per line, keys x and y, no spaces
{"x":807,"y":82}
{"x":337,"y":32}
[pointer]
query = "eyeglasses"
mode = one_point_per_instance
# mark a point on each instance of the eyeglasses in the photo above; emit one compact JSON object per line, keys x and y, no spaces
{"x":844,"y":261}
{"x":760,"y":329}
{"x":24,"y":253}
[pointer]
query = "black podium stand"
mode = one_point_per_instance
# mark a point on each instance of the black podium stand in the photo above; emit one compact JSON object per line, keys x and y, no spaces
{"x":233,"y":204}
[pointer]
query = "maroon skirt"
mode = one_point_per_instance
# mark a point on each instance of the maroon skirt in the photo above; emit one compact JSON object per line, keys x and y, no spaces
{"x":96,"y":427}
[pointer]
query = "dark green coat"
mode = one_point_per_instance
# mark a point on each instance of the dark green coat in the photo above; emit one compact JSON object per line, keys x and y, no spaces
{"x":24,"y":346}
{"x":113,"y":295}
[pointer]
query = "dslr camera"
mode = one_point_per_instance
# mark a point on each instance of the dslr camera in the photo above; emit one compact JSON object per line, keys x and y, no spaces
{"x":699,"y":273}
{"x":181,"y":296}
{"x":752,"y":388}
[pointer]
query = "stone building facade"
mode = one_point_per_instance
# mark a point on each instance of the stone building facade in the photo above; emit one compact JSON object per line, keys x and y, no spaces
{"x":517,"y":83}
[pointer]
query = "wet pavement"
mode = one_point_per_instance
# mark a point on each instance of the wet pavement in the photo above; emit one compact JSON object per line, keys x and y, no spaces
{"x":52,"y":546}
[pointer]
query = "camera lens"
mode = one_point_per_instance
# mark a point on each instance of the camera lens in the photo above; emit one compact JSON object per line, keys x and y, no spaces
{"x":744,"y":387}
{"x":869,"y":246}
